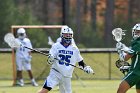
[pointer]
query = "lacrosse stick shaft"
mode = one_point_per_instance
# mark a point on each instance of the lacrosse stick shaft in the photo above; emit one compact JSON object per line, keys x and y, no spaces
{"x":79,"y":79}
{"x":76,"y":66}
{"x":13,"y":43}
{"x":37,"y":51}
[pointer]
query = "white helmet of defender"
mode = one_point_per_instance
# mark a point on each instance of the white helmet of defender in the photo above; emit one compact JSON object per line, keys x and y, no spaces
{"x":136,"y":31}
{"x":66,"y":34}
{"x":21,"y":33}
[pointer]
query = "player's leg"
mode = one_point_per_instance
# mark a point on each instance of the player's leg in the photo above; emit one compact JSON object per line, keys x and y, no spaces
{"x":20,"y":80}
{"x":138,"y":90}
{"x":19,"y":72}
{"x":30,"y":74}
{"x":128,"y":81}
{"x":34,"y":83}
{"x":51,"y":81}
{"x":43,"y":90}
{"x":27,"y":66}
{"x":123,"y":87}
{"x":19,"y":75}
{"x":138,"y":86}
{"x":65,"y":85}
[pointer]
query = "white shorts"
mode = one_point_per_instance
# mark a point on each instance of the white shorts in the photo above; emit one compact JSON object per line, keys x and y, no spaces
{"x":21,"y":64}
{"x":55,"y":78}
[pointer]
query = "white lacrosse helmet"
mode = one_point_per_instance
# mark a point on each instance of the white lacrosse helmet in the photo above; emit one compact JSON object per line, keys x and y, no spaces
{"x":21,"y":33}
{"x":66,"y":34}
{"x":136,"y":31}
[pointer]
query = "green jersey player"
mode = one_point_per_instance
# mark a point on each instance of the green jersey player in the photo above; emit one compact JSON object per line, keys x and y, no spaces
{"x":133,"y":76}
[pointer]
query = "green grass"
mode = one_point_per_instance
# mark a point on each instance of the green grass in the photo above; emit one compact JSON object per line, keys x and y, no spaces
{"x":98,"y":61}
{"x":91,"y":86}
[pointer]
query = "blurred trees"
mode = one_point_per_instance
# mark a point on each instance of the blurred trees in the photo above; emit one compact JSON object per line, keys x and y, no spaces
{"x":109,"y":22}
{"x":91,"y":20}
{"x":6,"y":13}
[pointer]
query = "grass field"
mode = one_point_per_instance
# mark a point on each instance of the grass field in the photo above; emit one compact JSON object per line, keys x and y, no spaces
{"x":103,"y":68}
{"x":99,"y":62}
{"x":91,"y":86}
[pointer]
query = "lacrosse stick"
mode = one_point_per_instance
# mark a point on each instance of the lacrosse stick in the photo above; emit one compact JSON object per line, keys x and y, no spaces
{"x":123,"y":66}
{"x":13,"y":43}
{"x":50,"y":41}
{"x":118,"y":33}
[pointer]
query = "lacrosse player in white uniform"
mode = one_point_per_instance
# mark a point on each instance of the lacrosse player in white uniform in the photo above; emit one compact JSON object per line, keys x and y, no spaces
{"x":62,"y":53}
{"x":23,"y":58}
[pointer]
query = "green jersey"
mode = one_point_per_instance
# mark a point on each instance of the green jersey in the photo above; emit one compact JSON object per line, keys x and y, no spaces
{"x":135,"y":65}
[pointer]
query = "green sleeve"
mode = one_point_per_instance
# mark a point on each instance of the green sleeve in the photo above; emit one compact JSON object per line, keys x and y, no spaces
{"x":136,"y":47}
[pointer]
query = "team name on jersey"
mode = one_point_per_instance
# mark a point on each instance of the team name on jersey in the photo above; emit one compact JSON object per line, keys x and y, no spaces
{"x":65,"y":52}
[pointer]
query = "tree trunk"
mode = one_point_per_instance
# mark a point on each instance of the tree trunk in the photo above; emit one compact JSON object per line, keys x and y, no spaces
{"x":65,"y":12}
{"x":93,"y":14}
{"x":109,"y":22}
{"x":78,"y":19}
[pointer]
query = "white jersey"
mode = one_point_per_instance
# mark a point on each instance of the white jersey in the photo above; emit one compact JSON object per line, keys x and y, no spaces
{"x":59,"y":40}
{"x":22,"y":52}
{"x":70,"y":54}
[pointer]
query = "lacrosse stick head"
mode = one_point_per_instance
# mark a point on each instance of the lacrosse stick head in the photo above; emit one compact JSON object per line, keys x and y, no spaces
{"x":122,"y":64}
{"x":11,"y":41}
{"x":118,"y":33}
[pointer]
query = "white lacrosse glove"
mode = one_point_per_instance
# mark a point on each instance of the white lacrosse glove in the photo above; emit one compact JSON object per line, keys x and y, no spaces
{"x":122,"y":47}
{"x":122,"y":55}
{"x":28,"y":58}
{"x":119,"y":46}
{"x":88,"y":69}
{"x":51,"y":59}
{"x":124,"y":67}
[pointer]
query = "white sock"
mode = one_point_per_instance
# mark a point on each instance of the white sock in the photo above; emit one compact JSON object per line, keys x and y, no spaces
{"x":33,"y":80}
{"x":21,"y":80}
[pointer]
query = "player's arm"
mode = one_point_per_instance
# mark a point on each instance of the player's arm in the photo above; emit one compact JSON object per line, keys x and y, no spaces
{"x":125,"y":53}
{"x":81,"y":64}
{"x":29,"y":57}
{"x":86,"y":68}
{"x":52,"y":55}
{"x":127,"y":57}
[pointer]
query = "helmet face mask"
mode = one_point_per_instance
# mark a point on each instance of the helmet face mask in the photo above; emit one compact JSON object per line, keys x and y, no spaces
{"x":136,"y":31}
{"x":66,"y":34}
{"x":67,"y":38}
{"x":21,"y":33}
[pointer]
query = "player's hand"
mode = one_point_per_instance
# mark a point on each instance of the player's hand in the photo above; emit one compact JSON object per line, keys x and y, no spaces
{"x":122,"y":55}
{"x":122,"y":47}
{"x":124,"y":69}
{"x":88,"y":69}
{"x":51,"y":59}
{"x":119,"y":46}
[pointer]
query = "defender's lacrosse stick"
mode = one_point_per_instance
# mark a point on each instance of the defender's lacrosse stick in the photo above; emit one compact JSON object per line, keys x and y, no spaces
{"x":83,"y":85}
{"x":13,"y":43}
{"x":50,"y":41}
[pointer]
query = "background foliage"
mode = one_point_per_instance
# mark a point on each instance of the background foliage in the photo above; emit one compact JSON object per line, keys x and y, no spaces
{"x":91,"y":20}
